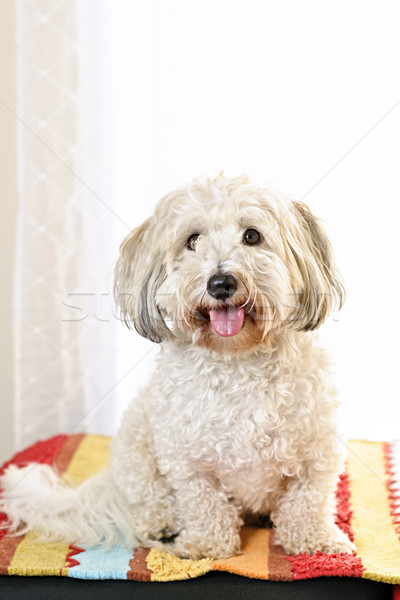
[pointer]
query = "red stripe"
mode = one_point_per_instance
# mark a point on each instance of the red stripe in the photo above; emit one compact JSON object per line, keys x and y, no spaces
{"x":394,"y":494}
{"x":396,"y":592}
{"x":343,"y":511}
{"x":44,"y":452}
{"x":72,"y":562}
{"x":307,"y":566}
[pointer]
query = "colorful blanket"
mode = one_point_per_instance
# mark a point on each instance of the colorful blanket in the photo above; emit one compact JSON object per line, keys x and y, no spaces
{"x":368,"y":509}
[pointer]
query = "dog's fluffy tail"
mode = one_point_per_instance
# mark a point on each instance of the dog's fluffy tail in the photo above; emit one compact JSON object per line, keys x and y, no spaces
{"x":34,"y":498}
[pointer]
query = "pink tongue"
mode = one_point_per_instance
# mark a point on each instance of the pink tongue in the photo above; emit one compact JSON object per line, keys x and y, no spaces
{"x":227,"y":321}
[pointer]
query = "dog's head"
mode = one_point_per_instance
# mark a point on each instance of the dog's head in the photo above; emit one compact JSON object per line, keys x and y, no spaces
{"x":226,"y":264}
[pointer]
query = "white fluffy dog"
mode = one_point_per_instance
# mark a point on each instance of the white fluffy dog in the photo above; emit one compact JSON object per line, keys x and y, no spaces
{"x":239,"y":416}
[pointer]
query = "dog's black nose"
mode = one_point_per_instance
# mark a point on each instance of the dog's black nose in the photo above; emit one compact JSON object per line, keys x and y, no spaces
{"x":221,"y":286}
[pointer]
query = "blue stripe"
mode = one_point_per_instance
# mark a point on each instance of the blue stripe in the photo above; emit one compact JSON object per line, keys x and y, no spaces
{"x":100,"y":563}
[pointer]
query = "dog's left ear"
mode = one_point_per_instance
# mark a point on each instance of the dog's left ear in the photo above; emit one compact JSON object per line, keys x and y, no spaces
{"x":322,"y":288}
{"x":138,"y":275}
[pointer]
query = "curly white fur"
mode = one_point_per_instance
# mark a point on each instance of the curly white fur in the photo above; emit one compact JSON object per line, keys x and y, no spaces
{"x":228,"y":426}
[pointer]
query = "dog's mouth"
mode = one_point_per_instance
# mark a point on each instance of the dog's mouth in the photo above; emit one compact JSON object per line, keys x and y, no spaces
{"x":226,"y":321}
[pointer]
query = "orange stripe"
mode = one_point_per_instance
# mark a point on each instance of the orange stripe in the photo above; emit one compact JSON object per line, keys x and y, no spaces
{"x":66,"y":453}
{"x":253,"y":562}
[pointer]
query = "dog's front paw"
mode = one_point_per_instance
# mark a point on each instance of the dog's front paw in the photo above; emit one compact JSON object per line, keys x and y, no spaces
{"x":329,"y":540}
{"x":154,"y":525}
{"x":188,"y":544}
{"x":337,"y":543}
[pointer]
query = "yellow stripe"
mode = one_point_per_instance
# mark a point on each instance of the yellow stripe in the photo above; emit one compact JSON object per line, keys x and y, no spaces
{"x":90,"y":457}
{"x":166,"y":567}
{"x":35,"y":558}
{"x":374,"y":536}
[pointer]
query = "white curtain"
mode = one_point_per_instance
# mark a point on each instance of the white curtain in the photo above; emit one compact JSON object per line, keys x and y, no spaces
{"x":64,"y":330}
{"x":197,"y":88}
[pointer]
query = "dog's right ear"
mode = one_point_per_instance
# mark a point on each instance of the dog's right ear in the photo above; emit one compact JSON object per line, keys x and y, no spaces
{"x":139,"y":272}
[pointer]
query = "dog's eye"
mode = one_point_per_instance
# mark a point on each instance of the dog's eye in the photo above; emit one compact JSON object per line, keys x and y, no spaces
{"x":192,"y":241}
{"x":251,"y":237}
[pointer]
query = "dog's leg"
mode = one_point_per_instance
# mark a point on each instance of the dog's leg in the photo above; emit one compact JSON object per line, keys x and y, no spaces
{"x":136,"y":476}
{"x":304,"y":516}
{"x":210,"y":523}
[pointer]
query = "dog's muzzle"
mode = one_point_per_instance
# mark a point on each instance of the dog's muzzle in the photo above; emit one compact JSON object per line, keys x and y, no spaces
{"x":225,"y":321}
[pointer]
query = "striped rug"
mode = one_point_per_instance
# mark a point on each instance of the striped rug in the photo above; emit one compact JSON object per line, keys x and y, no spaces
{"x":368,"y":509}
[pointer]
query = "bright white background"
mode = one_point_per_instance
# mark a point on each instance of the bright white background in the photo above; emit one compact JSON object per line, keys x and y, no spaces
{"x":287,"y":92}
